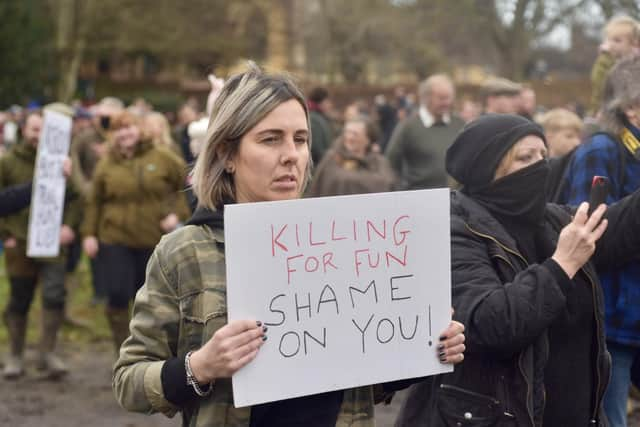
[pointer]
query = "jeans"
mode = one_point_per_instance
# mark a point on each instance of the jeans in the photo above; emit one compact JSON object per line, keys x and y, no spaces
{"x":617,"y":394}
{"x":121,"y":270}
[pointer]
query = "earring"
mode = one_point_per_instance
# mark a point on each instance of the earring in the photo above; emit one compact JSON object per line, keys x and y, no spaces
{"x":229,"y":169}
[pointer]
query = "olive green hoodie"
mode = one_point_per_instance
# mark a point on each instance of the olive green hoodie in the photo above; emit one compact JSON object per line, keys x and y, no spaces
{"x":130,"y":196}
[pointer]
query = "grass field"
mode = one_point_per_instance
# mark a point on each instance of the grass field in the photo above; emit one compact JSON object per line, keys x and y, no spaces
{"x":79,"y":307}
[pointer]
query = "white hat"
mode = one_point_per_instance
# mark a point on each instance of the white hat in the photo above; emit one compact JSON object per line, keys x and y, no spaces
{"x":198,"y":129}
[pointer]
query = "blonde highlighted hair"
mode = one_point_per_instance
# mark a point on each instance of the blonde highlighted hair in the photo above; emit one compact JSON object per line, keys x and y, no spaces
{"x":559,"y":119}
{"x":627,"y":22}
{"x":244,"y":101}
{"x":164,"y":139}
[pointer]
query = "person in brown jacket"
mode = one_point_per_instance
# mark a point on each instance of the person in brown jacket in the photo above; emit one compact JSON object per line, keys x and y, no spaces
{"x":353,"y":165}
{"x":136,"y":197}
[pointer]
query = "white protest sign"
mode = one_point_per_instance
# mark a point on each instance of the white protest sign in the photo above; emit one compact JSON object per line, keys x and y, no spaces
{"x":355,"y":290}
{"x":47,"y":202}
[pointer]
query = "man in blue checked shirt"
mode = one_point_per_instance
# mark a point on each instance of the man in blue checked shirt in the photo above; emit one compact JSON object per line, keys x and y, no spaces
{"x":615,"y":153}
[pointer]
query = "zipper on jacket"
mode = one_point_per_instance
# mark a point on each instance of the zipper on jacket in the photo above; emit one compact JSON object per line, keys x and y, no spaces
{"x":529,"y":388}
{"x":480,"y":396}
{"x":140,"y":171}
{"x":470,"y":393}
{"x":506,"y":248}
{"x":598,"y":326}
{"x":516,"y":253}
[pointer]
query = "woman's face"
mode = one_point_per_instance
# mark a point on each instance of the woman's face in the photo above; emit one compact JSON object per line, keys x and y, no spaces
{"x":525,"y":152}
{"x":272,"y":158}
{"x":127,"y":137}
{"x":355,"y":138}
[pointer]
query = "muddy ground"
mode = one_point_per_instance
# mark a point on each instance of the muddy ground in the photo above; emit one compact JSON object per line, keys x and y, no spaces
{"x":84,"y":398}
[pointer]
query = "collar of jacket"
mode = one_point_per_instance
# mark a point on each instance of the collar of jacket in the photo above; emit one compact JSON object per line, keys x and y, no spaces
{"x":213,"y":219}
{"x":480,"y":219}
{"x":25,"y":151}
{"x":142,"y":147}
{"x":345,"y":154}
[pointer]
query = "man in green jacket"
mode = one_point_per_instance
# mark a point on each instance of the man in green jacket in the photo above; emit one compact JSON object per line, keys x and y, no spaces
{"x":17,"y":167}
{"x":321,"y":131}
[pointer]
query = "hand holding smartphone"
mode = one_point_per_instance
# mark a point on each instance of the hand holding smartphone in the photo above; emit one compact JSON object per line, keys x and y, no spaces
{"x":599,"y":192}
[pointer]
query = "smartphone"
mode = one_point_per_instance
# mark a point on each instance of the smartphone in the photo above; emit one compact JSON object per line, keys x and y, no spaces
{"x":599,"y":192}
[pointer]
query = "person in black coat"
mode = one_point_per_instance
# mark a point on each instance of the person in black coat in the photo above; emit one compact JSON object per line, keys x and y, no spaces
{"x":17,"y":197}
{"x":524,"y":285}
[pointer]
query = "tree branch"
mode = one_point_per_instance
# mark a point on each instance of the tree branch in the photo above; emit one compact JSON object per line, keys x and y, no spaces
{"x":560,"y":17}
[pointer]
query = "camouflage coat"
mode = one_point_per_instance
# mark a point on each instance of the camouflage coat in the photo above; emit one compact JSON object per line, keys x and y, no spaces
{"x":180,"y":307}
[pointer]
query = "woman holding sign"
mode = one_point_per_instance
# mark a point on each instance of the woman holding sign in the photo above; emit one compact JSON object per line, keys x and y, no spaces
{"x":182,"y":352}
{"x":524,"y":285}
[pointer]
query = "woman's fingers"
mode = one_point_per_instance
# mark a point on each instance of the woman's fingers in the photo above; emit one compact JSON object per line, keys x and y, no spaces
{"x":231,"y":347}
{"x":581,"y":215}
{"x":453,"y":341}
{"x":451,"y":354}
{"x":241,"y":352}
{"x":454,"y":359}
{"x":599,"y":231}
{"x":236,"y":341}
{"x":237,"y":327}
{"x":451,"y":347}
{"x":453,"y":329}
{"x":239,"y":363}
{"x":596,"y":217}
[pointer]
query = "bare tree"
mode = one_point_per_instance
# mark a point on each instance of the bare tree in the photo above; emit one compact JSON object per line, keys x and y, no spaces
{"x":612,"y":7}
{"x":530,"y":21}
{"x":73,"y":18}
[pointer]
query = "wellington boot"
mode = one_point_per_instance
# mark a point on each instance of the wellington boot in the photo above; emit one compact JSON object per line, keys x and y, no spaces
{"x":119,"y":323}
{"x":53,"y":365}
{"x":47,"y":360}
{"x":17,"y":327}
{"x":13,"y":367}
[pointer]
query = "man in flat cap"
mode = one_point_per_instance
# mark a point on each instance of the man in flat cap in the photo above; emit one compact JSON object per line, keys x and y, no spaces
{"x":501,"y":96}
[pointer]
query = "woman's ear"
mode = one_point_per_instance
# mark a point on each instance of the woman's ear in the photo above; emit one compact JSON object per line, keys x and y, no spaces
{"x":631,"y":113}
{"x":223,"y":151}
{"x":229,"y":167}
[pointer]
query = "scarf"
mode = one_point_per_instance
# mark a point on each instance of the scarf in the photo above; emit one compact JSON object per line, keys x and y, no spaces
{"x":519,"y":196}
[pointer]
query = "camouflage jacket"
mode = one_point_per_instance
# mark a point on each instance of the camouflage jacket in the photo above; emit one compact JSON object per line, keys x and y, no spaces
{"x":179,"y":308}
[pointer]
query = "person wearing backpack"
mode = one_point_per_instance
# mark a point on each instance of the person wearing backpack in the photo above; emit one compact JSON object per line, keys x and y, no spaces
{"x":614,"y":152}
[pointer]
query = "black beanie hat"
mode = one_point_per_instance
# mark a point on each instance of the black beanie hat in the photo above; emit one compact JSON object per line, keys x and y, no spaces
{"x":475,"y":154}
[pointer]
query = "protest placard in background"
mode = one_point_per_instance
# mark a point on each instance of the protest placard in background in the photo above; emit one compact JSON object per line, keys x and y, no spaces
{"x":355,"y":290}
{"x":47,"y":202}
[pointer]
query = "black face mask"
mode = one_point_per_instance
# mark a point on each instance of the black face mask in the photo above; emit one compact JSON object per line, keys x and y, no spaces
{"x":105,"y":121}
{"x":519,"y":195}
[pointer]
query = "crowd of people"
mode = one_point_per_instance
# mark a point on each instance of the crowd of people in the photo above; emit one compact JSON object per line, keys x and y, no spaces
{"x":545,"y":290}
